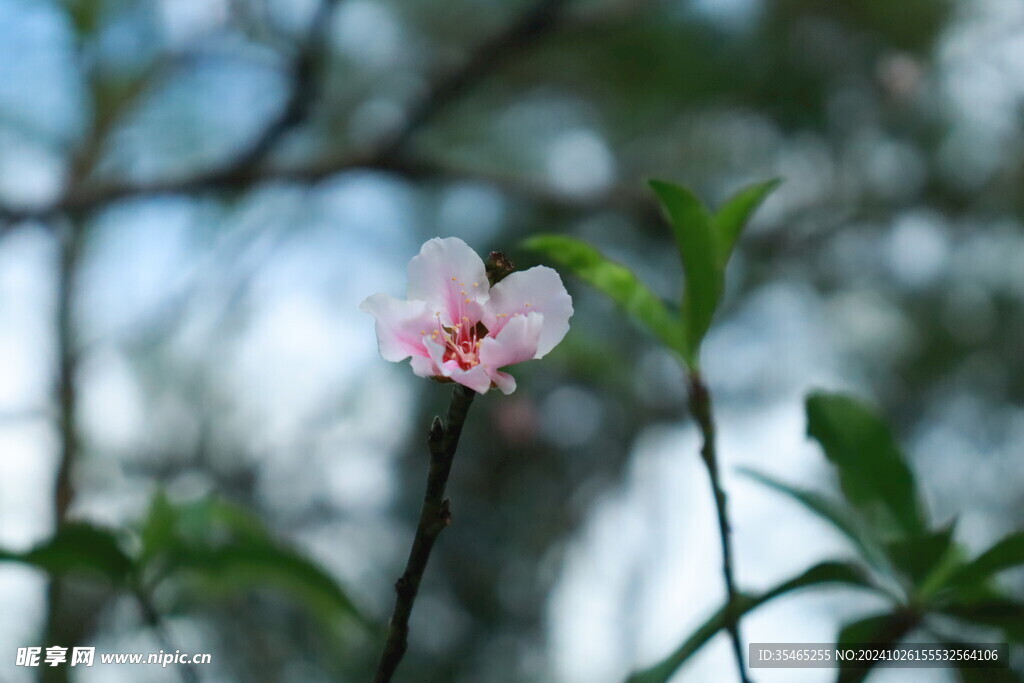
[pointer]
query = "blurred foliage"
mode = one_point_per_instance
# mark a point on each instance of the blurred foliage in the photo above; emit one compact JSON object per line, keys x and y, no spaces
{"x":912,"y":562}
{"x":860,"y":104}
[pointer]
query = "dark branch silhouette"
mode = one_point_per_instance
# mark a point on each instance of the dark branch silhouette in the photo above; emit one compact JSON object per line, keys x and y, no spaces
{"x":246,"y":170}
{"x":435,"y":515}
{"x":703,"y":413}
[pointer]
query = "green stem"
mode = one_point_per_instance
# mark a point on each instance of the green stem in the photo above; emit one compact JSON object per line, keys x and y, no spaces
{"x":435,"y":515}
{"x":703,"y":412}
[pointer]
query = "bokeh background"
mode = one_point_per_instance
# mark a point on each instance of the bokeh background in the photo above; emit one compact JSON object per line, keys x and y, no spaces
{"x":195,"y":195}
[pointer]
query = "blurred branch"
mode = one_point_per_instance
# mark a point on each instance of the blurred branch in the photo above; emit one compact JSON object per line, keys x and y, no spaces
{"x":435,"y":515}
{"x":59,"y":630}
{"x":243,"y":171}
{"x":300,"y":102}
{"x":155,"y":622}
{"x":526,"y":29}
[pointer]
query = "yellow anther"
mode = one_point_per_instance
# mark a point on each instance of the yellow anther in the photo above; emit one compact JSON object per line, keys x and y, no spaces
{"x":453,"y":279}
{"x":467,"y":301}
{"x":476,"y":284}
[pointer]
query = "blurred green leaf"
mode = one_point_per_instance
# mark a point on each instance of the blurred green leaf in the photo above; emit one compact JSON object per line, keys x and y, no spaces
{"x":699,"y":250}
{"x":85,"y":14}
{"x":872,"y":471}
{"x":877,"y":630}
{"x":228,"y":548}
{"x":78,"y":548}
{"x":831,"y":511}
{"x":736,"y":212}
{"x":1006,"y":554}
{"x":844,"y":573}
{"x":985,"y":675}
{"x":615,"y":281}
{"x":1004,"y":614}
{"x":919,"y":557}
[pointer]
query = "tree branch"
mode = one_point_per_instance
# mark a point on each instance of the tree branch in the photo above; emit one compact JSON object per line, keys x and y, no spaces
{"x":300,"y":102}
{"x":527,"y":28}
{"x":57,"y":630}
{"x":701,"y":407}
{"x":243,"y":171}
{"x":435,"y":515}
{"x":156,"y":623}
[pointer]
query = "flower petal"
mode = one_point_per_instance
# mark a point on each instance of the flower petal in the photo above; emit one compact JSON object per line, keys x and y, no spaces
{"x":450,"y":277}
{"x":504,"y":381}
{"x":400,"y":325}
{"x":422,"y":366}
{"x":516,"y":342}
{"x":476,"y":378}
{"x":537,"y":290}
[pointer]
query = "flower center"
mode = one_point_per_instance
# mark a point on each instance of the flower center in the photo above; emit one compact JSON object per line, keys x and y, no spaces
{"x":461,"y":342}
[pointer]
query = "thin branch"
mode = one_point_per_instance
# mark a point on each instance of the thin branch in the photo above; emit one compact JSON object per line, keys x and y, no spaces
{"x":242,"y":172}
{"x":304,"y":93}
{"x":56,"y":630}
{"x":435,"y":515}
{"x":156,"y":623}
{"x":703,"y":413}
{"x":534,"y":23}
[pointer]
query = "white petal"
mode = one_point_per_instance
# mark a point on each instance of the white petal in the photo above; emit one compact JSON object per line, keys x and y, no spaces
{"x":538,"y":290}
{"x":436,"y":353}
{"x":450,"y":277}
{"x":476,"y":378}
{"x":516,"y":342}
{"x":504,"y":381}
{"x":400,"y":325}
{"x":422,"y":366}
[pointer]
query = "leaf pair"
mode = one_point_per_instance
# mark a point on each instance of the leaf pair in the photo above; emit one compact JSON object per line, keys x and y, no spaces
{"x":705,"y":242}
{"x":224,"y":547}
{"x":219,"y":544}
{"x":916,"y":562}
{"x":902,"y":555}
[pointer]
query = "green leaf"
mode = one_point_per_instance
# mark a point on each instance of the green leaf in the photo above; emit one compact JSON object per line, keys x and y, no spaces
{"x":85,"y":14}
{"x":1006,"y":554}
{"x":872,"y":471}
{"x":984,"y":675}
{"x":831,"y":511}
{"x":699,"y":250}
{"x":615,"y":281}
{"x":225,"y":547}
{"x":1004,"y":614}
{"x":843,"y":573}
{"x":78,"y":548}
{"x":876,"y":630}
{"x":917,"y":558}
{"x":734,"y":215}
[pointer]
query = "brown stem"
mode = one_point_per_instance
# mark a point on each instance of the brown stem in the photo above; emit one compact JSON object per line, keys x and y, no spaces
{"x":703,"y":413}
{"x":435,"y":515}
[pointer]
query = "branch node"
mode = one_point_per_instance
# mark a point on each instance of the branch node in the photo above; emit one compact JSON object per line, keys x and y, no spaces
{"x":436,"y":433}
{"x":445,"y":513}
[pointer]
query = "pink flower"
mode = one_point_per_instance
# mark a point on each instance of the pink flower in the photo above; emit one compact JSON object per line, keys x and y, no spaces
{"x":455,"y":326}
